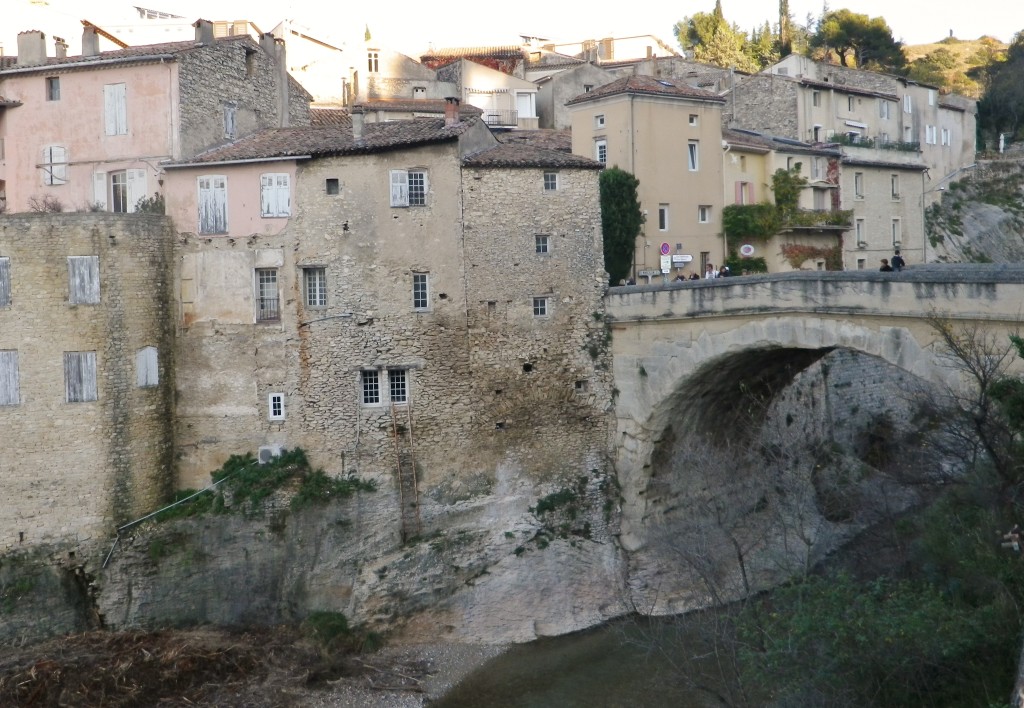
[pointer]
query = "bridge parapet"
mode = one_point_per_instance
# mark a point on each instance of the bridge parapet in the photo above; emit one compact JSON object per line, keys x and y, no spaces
{"x":987,"y":292}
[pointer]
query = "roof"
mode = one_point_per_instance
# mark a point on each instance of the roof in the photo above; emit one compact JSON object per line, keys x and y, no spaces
{"x":323,"y":117}
{"x":508,"y":51}
{"x":648,"y":86}
{"x":846,"y":88}
{"x":546,"y":138}
{"x":303,"y":142}
{"x":523,"y":155}
{"x":753,"y":138}
{"x":416,"y":105}
{"x":863,"y":162}
{"x":141,"y":53}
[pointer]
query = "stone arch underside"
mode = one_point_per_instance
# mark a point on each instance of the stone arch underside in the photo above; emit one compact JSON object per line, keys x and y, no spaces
{"x":703,"y":384}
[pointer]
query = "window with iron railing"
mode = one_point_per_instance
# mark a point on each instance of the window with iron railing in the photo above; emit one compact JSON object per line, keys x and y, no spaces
{"x":267,"y":301}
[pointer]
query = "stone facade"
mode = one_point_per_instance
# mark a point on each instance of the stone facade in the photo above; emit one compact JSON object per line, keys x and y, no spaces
{"x":79,"y":468}
{"x":558,"y":88}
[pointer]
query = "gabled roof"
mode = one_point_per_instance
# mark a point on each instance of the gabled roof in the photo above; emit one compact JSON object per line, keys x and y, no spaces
{"x":305,"y":142}
{"x":647,"y":86}
{"x":755,"y":139}
{"x":546,"y":138}
{"x":846,"y":88}
{"x":415,"y":105}
{"x":522,"y":155}
{"x":508,"y":51}
{"x":325,"y":117}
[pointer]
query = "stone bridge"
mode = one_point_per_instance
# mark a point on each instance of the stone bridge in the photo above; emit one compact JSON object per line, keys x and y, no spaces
{"x":687,"y":354}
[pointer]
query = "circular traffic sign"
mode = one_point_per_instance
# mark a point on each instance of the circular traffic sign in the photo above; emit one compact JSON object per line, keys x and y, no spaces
{"x":664,"y":249}
{"x":746,"y":250}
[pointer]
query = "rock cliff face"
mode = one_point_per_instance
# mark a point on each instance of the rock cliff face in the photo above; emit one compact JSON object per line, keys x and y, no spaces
{"x":980,"y":218}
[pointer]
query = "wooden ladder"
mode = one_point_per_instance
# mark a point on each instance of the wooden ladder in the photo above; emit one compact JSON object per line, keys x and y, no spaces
{"x":408,"y":489}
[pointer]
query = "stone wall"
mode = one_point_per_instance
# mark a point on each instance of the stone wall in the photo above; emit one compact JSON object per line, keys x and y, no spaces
{"x":764,"y":102}
{"x":73,"y":470}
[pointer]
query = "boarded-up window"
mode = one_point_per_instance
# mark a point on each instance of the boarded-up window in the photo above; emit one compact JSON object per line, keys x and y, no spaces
{"x":275,"y":195}
{"x":80,"y":376}
{"x":9,"y":392}
{"x":83,"y":280}
{"x":54,"y":165}
{"x":115,"y":109}
{"x":147,"y":370}
{"x":213,"y":204}
{"x":5,"y":282}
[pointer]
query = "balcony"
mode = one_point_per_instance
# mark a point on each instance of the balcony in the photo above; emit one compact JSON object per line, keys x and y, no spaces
{"x":863,"y":141}
{"x":818,"y":220}
{"x":501,"y":118}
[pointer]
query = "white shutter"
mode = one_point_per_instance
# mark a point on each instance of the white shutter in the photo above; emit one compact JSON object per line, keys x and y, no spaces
{"x":83,"y":280}
{"x":399,"y":188}
{"x":136,"y":187}
{"x":54,"y":164}
{"x":5,"y":282}
{"x":80,"y":376}
{"x":147,"y":372}
{"x":99,"y":189}
{"x":284,"y":195}
{"x":267,"y":195}
{"x":213,"y":205}
{"x":10,"y":394}
{"x":115,"y":109}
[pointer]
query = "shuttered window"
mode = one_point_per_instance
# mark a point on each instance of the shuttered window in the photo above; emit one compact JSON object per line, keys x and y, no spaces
{"x":80,"y":376}
{"x":5,"y":282}
{"x":275,"y":195}
{"x":54,"y":165}
{"x":83,"y":280}
{"x":213,"y":204}
{"x":408,"y":188}
{"x":10,"y":394}
{"x":115,"y":109}
{"x":147,"y":369}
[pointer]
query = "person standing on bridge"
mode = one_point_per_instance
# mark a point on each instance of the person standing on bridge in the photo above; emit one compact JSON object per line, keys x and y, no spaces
{"x":897,"y":261}
{"x":710,"y":272}
{"x":886,"y":268}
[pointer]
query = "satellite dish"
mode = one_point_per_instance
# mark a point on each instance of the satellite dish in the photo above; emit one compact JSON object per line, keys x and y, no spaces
{"x":746,"y":250}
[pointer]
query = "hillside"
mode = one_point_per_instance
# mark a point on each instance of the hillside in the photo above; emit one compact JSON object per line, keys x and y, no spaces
{"x":946,"y":63}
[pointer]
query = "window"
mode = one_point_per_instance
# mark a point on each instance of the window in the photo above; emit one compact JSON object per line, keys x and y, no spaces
{"x":147,"y":370}
{"x":743,"y":193}
{"x":743,"y":163}
{"x":884,"y":109}
{"x":314,"y":286}
{"x":54,"y":165}
{"x":858,"y":185}
{"x":550,"y":181}
{"x":115,"y":109}
{"x":83,"y":280}
{"x":908,"y":105}
{"x":542,"y":243}
{"x":373,"y":61}
{"x":332,"y":186}
{"x":819,"y":196}
{"x":816,"y":133}
{"x":599,"y":121}
{"x":267,"y":303}
{"x":705,"y":258}
{"x":370,"y":380}
{"x":526,"y":104}
{"x":213,"y":204}
{"x":230,"y":125}
{"x":79,"y":377}
{"x":275,"y":195}
{"x":851,"y":103}
{"x":931,"y":97}
{"x":540,"y":307}
{"x":10,"y":393}
{"x":5,"y":282}
{"x":275,"y":406}
{"x":601,"y":151}
{"x":693,"y":155}
{"x":897,"y":235}
{"x":931,"y":135}
{"x":704,"y":214}
{"x":663,"y":217}
{"x":52,"y":88}
{"x":693,"y":119}
{"x":419,"y":92}
{"x":587,"y":88}
{"x":119,"y":191}
{"x":894,"y":181}
{"x":817,"y":168}
{"x":861,"y":237}
{"x":947,"y":138}
{"x":816,"y":98}
{"x":420,"y":291}
{"x":860,"y":264}
{"x":408,"y":188}
{"x":398,"y":387}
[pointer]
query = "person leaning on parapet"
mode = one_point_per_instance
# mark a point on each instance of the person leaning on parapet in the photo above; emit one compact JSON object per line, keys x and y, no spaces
{"x":897,"y":261}
{"x":886,"y":268}
{"x":710,"y":272}
{"x":694,"y":276}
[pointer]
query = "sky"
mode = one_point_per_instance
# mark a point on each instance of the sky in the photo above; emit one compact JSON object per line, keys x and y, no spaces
{"x":412,"y":27}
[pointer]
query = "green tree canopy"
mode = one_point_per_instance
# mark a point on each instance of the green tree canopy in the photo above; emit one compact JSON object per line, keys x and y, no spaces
{"x":858,"y":41}
{"x":714,"y":41}
{"x":621,"y":219}
{"x":1001,"y":109}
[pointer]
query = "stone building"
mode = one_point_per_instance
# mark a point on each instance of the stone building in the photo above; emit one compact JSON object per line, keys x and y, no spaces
{"x":86,"y":374}
{"x":91,"y":131}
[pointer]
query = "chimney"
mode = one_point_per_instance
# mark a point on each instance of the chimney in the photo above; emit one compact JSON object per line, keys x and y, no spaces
{"x":31,"y":48}
{"x":274,"y":48}
{"x":90,"y":42}
{"x":269,"y":44}
{"x":204,"y":31}
{"x":451,"y":111}
{"x":60,"y":48}
{"x":357,"y":122}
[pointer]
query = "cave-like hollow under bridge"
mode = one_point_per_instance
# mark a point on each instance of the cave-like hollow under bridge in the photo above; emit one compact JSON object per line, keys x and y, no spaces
{"x":689,"y":352}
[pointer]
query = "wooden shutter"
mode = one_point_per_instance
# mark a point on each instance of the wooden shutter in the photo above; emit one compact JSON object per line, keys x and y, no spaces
{"x":738,"y":193}
{"x":10,"y":394}
{"x":5,"y":282}
{"x":115,"y":109}
{"x":83,"y":280}
{"x":213,"y":205}
{"x":80,"y":376}
{"x":55,"y":164}
{"x":99,"y":189}
{"x":146,"y":367}
{"x":399,"y":188}
{"x":266,"y":195}
{"x":136,"y":187}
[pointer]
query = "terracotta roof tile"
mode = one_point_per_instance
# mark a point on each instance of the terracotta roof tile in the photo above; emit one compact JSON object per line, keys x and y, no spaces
{"x":323,"y":117}
{"x":546,"y":138}
{"x":416,"y":105}
{"x":497,"y":52}
{"x":646,"y":85}
{"x":520,"y":155}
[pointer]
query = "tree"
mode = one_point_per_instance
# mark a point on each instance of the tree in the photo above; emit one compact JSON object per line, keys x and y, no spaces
{"x":714,"y":41}
{"x":763,"y":47}
{"x":621,"y":219}
{"x":858,"y":41}
{"x":784,"y":43}
{"x":1001,"y":109}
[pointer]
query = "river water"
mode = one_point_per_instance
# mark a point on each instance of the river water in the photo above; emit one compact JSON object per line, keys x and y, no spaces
{"x":639,"y":662}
